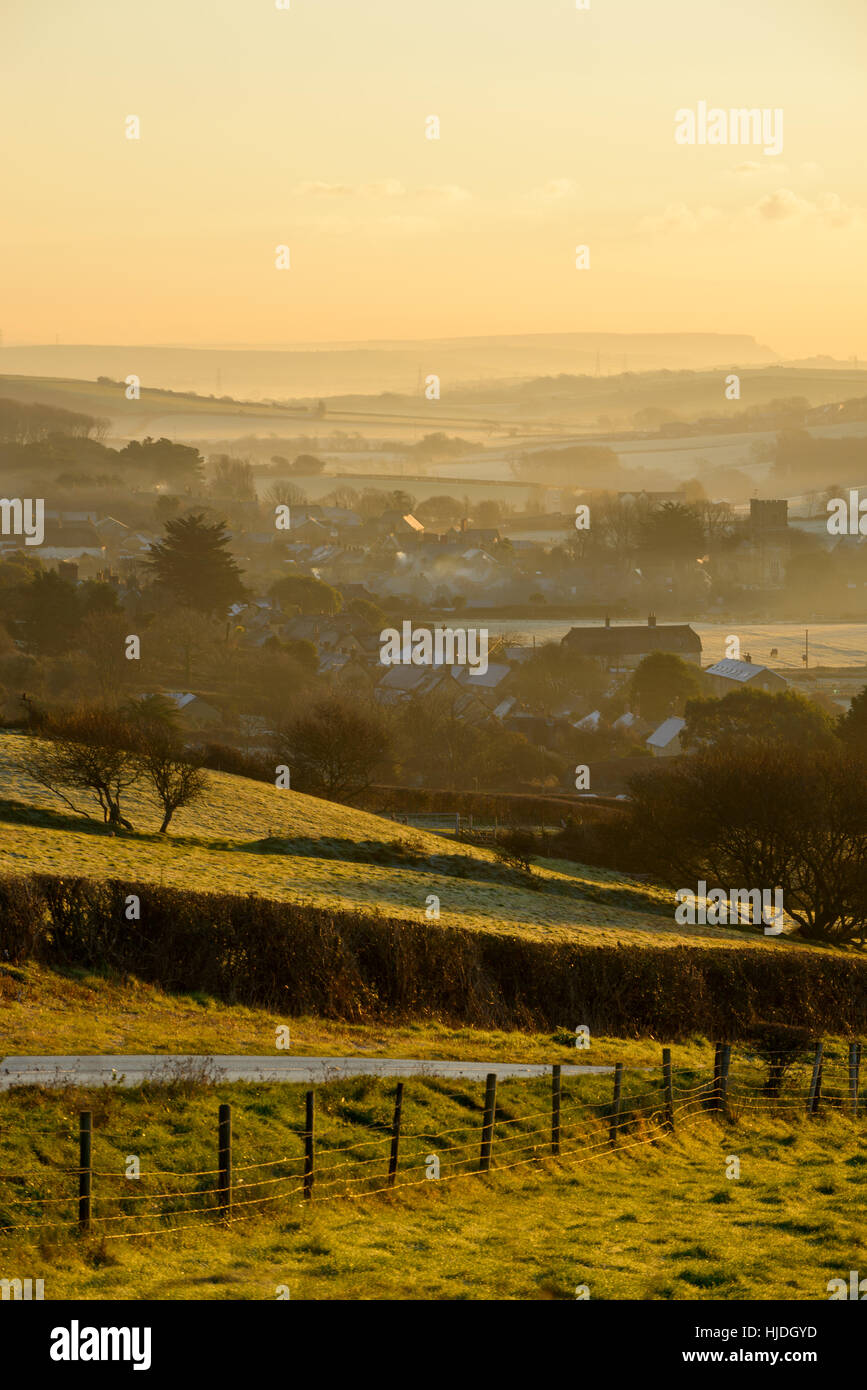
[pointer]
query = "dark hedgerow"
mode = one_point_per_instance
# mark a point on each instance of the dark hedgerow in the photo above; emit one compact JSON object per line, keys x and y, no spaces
{"x":300,"y":959}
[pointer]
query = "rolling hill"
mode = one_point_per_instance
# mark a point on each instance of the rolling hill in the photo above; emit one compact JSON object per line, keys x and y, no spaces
{"x":251,"y":838}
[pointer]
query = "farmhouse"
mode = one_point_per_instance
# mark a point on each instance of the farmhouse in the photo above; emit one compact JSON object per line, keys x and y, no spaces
{"x":625,"y":645}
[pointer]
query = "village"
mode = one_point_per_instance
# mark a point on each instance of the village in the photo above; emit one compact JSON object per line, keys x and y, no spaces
{"x":327,"y":600}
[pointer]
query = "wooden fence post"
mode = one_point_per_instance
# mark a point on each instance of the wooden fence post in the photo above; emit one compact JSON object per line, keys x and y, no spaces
{"x":667,"y":1087}
{"x":854,"y":1069}
{"x":308,"y":1148}
{"x":615,"y":1104}
{"x":717,"y":1065}
{"x":85,"y":1168}
{"x":724,"y":1065}
{"x":224,"y":1162}
{"x":815,"y":1082}
{"x":488,"y":1125}
{"x":555,"y":1109}
{"x":395,"y":1134}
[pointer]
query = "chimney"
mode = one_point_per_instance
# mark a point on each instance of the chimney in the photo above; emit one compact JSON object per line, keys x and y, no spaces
{"x":651,"y":620}
{"x":464,"y":524}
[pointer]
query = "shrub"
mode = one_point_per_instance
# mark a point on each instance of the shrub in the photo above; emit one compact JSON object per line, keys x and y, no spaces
{"x":781,"y":1045}
{"x":516,"y":848}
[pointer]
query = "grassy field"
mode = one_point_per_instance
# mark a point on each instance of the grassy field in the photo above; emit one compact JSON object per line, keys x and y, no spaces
{"x":251,"y":838}
{"x":656,"y":1220}
{"x":79,"y":1011}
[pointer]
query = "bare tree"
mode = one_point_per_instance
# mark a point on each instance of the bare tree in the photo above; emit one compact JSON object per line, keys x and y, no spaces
{"x":232,"y":478}
{"x":89,"y":751}
{"x":334,"y":748}
{"x":717,"y":518}
{"x":285,"y":494}
{"x":175,"y":779}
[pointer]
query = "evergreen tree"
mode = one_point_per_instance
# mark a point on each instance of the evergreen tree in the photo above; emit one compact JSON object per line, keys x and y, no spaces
{"x":661,"y":683}
{"x":192,"y":564}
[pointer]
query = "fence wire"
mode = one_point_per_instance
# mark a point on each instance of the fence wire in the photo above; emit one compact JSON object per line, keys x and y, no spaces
{"x":574,"y":1132}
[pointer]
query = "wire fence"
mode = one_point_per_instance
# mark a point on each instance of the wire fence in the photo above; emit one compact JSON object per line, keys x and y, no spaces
{"x":641,"y":1109}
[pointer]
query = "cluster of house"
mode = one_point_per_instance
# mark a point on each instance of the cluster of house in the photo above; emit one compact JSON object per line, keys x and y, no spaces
{"x":620,"y":647}
{"x":82,"y":545}
{"x":349,"y":654}
{"x":391,"y":555}
{"x":394,"y":555}
{"x":525,"y":559}
{"x":335,"y":544}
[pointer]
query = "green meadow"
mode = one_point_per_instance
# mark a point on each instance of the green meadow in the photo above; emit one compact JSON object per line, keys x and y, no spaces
{"x":247,"y":837}
{"x":657,"y":1217}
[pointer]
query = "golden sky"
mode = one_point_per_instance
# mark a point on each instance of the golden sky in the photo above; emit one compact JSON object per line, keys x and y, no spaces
{"x":306,"y":127}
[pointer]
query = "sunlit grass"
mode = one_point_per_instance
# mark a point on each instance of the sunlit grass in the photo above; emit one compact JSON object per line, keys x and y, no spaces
{"x":658,"y":1221}
{"x":79,"y":1011}
{"x":251,"y":838}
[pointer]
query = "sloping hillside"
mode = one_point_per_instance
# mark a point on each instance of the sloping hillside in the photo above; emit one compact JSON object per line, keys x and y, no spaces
{"x":251,"y":838}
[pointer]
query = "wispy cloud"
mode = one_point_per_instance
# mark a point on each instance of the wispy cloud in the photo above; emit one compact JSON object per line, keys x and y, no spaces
{"x":781,"y":206}
{"x":384,"y":188}
{"x":316,"y":188}
{"x":448,"y":192}
{"x":677,"y":217}
{"x":784,"y":205}
{"x":835,"y":212}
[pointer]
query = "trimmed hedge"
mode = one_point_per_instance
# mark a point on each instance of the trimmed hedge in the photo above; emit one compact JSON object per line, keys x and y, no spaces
{"x":298,"y":959}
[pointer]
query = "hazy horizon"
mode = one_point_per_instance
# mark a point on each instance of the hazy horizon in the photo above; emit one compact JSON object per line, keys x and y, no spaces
{"x":387,"y":366}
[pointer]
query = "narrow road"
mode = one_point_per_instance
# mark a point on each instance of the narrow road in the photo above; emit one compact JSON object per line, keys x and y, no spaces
{"x":120,"y":1070}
